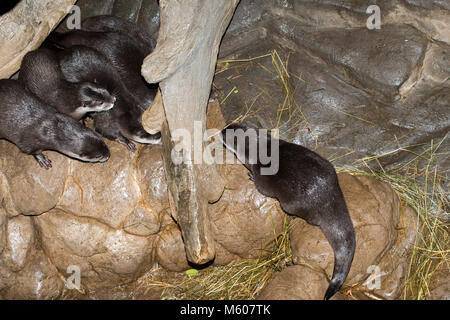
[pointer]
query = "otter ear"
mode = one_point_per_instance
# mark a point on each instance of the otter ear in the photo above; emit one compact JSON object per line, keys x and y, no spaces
{"x":86,"y":89}
{"x":92,"y":91}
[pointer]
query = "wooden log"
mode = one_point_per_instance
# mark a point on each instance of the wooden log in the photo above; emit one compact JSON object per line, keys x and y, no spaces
{"x":25,"y":27}
{"x":183,"y":63}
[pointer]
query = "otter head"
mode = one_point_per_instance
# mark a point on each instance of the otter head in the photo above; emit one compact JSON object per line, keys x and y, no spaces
{"x":253,"y":147}
{"x":242,"y":140}
{"x":81,"y":143}
{"x":94,"y":149}
{"x":95,"y":98}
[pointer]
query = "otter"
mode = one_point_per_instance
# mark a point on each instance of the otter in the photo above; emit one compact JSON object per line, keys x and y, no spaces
{"x":108,"y":23}
{"x":305,"y":184}
{"x":41,"y":74}
{"x":122,"y":52}
{"x":121,"y":123}
{"x":34,"y":126}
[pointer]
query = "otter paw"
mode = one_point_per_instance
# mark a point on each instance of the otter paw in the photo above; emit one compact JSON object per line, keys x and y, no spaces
{"x":127,"y":143}
{"x":43,"y":161}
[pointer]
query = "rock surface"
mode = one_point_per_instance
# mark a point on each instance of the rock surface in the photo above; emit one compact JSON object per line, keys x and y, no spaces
{"x":351,"y":89}
{"x":386,"y":280}
{"x":295,"y":283}
{"x":440,"y":287}
{"x":111,"y":220}
{"x":235,"y":225}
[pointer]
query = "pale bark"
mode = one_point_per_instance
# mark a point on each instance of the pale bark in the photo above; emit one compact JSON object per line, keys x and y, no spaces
{"x":183,"y":63}
{"x":25,"y":27}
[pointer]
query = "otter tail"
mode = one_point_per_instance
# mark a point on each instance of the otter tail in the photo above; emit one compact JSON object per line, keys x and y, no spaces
{"x":341,"y":236}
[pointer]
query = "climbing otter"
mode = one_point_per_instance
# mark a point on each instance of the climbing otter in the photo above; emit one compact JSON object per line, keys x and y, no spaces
{"x":122,"y":52}
{"x":41,"y":74}
{"x":34,"y":126}
{"x":306,"y":186}
{"x":121,"y":123}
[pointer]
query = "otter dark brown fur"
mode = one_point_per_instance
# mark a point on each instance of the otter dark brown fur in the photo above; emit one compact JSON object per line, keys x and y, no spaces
{"x":34,"y":126}
{"x":108,"y":23}
{"x":122,"y":52}
{"x":41,"y":74}
{"x":306,"y":186}
{"x":123,"y":122}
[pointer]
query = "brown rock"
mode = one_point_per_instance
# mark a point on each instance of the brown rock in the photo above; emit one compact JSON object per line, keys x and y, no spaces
{"x":223,"y":257}
{"x":151,"y":177}
{"x":440,"y":286}
{"x":144,"y":221}
{"x":19,"y":242}
{"x":374,"y":209}
{"x":2,"y":229}
{"x":432,"y":73}
{"x":170,"y":252}
{"x":244,"y":221}
{"x":38,"y":280}
{"x":32,"y":190}
{"x":104,"y":255}
{"x":111,"y":196}
{"x":387,"y":278}
{"x":5,"y":279}
{"x":295,"y":283}
{"x":153,"y":117}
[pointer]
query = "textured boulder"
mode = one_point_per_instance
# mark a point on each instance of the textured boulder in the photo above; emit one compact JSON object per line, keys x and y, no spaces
{"x":386,"y":280}
{"x":2,"y":229}
{"x":104,"y":255}
{"x":295,"y":283}
{"x":109,"y":198}
{"x":170,"y":252}
{"x":20,"y":240}
{"x":112,"y":220}
{"x":38,"y":280}
{"x":25,"y":271}
{"x":244,"y":221}
{"x":440,"y":287}
{"x":27,"y":188}
{"x":351,"y":89}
